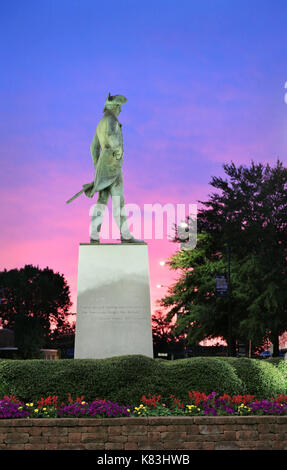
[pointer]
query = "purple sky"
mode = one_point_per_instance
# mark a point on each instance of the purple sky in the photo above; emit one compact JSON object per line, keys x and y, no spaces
{"x":205,"y":85}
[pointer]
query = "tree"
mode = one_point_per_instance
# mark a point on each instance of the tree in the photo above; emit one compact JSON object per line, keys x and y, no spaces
{"x":29,"y":336}
{"x":199,"y":313}
{"x":63,"y":339}
{"x":33,"y":301}
{"x":249,"y":218}
{"x":164,"y":338}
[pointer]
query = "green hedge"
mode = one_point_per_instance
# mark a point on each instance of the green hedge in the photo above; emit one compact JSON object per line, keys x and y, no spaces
{"x":260,"y":377}
{"x":280,"y":364}
{"x":204,"y":374}
{"x":125,"y":379}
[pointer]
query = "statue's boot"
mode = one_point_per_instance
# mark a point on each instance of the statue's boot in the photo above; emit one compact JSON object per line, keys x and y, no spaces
{"x":94,"y":242}
{"x":126,"y":236}
{"x":131,"y":240}
{"x":96,"y":223}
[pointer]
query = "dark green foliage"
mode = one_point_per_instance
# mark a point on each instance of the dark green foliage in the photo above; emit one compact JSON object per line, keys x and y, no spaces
{"x":281,"y":365}
{"x":245,"y":218}
{"x":125,"y":379}
{"x":259,"y":377}
{"x":122,"y":379}
{"x":33,"y":300}
{"x":3,"y":387}
{"x":29,"y":336}
{"x":204,"y":374}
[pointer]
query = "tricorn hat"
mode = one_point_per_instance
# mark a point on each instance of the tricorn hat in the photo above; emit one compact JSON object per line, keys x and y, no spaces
{"x":116,"y":100}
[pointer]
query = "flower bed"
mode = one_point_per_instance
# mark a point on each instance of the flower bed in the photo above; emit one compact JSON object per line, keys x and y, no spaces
{"x":197,"y":404}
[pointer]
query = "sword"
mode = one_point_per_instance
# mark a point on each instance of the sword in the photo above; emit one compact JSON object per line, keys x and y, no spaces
{"x":85,"y":187}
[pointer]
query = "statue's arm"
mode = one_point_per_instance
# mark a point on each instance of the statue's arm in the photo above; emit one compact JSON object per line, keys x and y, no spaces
{"x":114,"y":137}
{"x":95,"y":149}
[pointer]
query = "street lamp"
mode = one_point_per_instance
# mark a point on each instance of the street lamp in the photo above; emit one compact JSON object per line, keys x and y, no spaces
{"x":229,"y":304}
{"x":223,"y":289}
{"x":183,"y":225}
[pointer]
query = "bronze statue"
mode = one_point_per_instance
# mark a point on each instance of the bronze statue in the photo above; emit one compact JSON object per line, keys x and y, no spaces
{"x":107,"y":153}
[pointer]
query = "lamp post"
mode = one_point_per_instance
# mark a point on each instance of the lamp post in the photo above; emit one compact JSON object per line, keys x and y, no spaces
{"x":223,"y":289}
{"x":229,"y":304}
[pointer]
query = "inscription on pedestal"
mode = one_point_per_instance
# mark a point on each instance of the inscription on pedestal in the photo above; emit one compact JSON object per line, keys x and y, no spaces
{"x":114,"y":313}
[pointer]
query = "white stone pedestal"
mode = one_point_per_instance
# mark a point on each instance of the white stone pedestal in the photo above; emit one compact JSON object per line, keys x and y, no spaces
{"x":113,"y":303}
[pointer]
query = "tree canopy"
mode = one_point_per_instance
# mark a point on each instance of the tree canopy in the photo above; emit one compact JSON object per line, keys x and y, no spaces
{"x":248,"y":217}
{"x":33,"y":302}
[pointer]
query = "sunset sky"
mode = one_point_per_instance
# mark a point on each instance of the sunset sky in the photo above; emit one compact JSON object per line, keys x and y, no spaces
{"x":205,"y":82}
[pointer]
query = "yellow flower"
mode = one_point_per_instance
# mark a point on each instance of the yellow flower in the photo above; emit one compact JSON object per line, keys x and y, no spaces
{"x":36,"y":410}
{"x":190,"y":407}
{"x":242,"y":408}
{"x":139,"y":409}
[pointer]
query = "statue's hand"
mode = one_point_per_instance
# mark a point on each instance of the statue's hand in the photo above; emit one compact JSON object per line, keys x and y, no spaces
{"x":88,"y":186}
{"x":117,"y":154}
{"x":89,"y":189}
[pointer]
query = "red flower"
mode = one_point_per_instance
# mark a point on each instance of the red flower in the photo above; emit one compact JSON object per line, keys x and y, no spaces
{"x":152,"y":400}
{"x":177,"y":403}
{"x":197,"y":397}
{"x":226,"y":397}
{"x":242,"y":399}
{"x":80,"y":399}
{"x":49,"y":401}
{"x":237,"y":399}
{"x":12,"y":398}
{"x":281,"y":399}
{"x":70,"y":399}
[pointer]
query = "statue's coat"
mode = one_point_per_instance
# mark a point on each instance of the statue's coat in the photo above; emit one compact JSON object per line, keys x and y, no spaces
{"x":107,"y":153}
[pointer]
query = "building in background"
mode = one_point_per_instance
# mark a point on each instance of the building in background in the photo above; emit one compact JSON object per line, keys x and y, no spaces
{"x":8,"y":349}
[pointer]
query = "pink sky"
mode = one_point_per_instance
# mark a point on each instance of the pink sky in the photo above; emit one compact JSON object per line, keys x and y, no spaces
{"x":205,"y":83}
{"x":40,"y":229}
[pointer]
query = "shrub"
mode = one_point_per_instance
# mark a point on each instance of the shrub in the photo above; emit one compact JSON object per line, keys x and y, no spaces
{"x":122,"y":379}
{"x":259,"y":377}
{"x":206,"y":374}
{"x":281,"y":365}
{"x":3,"y":388}
{"x":125,"y":379}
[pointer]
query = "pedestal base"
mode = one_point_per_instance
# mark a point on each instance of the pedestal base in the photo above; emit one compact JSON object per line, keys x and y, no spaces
{"x":113,"y":303}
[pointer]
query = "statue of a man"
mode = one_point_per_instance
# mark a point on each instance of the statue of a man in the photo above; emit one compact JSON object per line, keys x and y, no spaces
{"x":107,"y":152}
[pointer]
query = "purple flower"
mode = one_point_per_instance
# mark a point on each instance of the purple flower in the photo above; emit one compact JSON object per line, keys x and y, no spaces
{"x":267,"y":407}
{"x":97,"y":408}
{"x":10,"y":409}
